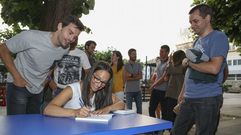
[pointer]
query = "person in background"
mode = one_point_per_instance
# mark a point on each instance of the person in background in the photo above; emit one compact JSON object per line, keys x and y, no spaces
{"x":153,"y":79}
{"x":132,"y":76}
{"x":93,"y":95}
{"x":117,"y":66}
{"x":69,"y":69}
{"x":175,"y":72}
{"x":36,"y":52}
{"x":201,"y":101}
{"x":159,"y":87}
{"x":89,"y":50}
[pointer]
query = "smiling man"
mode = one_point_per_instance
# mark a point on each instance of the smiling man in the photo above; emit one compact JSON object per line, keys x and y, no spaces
{"x":35,"y":52}
{"x":202,"y":100}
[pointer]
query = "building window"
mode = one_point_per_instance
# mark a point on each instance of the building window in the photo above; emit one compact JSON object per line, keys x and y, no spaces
{"x":235,"y":62}
{"x":239,"y":61}
{"x":231,"y":77}
{"x":238,"y":76}
{"x":229,"y":62}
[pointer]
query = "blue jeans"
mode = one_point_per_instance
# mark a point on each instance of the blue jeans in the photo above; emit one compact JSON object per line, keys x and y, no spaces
{"x":21,"y":101}
{"x":137,"y":96}
{"x":201,"y":111}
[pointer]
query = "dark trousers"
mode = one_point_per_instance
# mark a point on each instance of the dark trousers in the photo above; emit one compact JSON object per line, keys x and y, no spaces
{"x":157,"y":97}
{"x":171,"y":103}
{"x":201,"y":111}
{"x":21,"y":101}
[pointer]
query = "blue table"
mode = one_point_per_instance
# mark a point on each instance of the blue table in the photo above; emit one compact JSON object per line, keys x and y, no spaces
{"x":35,"y":124}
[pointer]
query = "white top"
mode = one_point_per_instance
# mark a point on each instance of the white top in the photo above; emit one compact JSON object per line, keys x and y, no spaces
{"x":75,"y":101}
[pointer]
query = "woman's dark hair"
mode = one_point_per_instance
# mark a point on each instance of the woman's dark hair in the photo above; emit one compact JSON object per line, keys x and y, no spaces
{"x":103,"y":97}
{"x":120,"y":62}
{"x":178,"y":56}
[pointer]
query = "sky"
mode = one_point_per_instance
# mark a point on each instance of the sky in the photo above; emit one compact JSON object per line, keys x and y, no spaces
{"x":140,"y":24}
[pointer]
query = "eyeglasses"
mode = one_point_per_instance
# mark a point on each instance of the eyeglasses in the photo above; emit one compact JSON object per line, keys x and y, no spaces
{"x":98,"y":80}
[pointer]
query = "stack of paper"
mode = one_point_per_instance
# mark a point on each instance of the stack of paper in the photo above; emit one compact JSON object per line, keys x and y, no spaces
{"x":128,"y":111}
{"x":96,"y":118}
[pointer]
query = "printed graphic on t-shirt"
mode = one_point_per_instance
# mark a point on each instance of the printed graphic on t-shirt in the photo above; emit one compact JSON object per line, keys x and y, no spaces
{"x":68,"y":69}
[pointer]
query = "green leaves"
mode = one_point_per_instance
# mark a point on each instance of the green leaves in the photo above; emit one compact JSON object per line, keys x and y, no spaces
{"x":41,"y":14}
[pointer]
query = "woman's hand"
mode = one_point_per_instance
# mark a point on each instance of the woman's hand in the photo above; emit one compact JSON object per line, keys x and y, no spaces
{"x":82,"y":112}
{"x":105,"y":110}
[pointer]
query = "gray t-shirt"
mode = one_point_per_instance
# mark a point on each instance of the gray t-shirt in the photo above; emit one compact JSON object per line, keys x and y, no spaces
{"x":35,"y":55}
{"x":133,"y":85}
{"x":160,"y":69}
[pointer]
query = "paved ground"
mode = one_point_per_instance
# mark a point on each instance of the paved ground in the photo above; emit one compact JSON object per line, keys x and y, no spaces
{"x":230,"y":122}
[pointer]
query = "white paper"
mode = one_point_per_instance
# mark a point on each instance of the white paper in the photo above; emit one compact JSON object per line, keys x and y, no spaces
{"x":96,"y":118}
{"x":128,"y":111}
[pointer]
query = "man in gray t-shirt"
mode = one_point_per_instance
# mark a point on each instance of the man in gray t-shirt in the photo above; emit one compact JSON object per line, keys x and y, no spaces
{"x":132,"y":75}
{"x":159,"y":87}
{"x":35,"y":53}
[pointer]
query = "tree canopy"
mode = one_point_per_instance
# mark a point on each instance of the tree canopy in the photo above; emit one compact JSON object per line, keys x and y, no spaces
{"x":42,"y":14}
{"x":227,"y":17}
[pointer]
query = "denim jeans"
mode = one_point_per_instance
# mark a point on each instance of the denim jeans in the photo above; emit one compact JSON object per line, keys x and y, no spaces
{"x":21,"y":101}
{"x":201,"y":111}
{"x":137,"y":96}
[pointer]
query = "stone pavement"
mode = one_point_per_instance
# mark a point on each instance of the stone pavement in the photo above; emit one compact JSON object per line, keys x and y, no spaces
{"x":230,"y":121}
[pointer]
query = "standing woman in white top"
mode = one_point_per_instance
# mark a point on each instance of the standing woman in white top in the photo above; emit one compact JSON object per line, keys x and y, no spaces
{"x":92,"y":96}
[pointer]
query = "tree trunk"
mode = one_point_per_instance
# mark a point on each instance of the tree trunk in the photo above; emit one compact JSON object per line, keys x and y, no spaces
{"x":55,"y":11}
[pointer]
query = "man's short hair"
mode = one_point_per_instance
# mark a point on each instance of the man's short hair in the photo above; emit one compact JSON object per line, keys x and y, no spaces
{"x":131,"y":50}
{"x":166,"y":47}
{"x":89,"y":42}
{"x":203,"y":9}
{"x":75,"y":20}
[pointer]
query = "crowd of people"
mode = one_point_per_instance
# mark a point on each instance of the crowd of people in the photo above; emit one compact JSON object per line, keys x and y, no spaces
{"x":81,"y":85}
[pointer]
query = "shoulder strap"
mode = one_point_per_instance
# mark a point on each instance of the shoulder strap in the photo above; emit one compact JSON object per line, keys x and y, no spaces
{"x":194,"y":42}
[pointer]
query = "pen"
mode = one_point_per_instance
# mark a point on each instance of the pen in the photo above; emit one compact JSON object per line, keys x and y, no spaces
{"x":81,"y":102}
{"x":83,"y":105}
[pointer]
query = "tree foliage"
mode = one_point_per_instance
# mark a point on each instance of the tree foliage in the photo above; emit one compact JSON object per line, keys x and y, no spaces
{"x":104,"y":55}
{"x":41,"y":14}
{"x":101,"y":55}
{"x":227,"y":17}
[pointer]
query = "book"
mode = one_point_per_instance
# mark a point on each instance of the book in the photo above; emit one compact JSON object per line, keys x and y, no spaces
{"x":127,"y":111}
{"x":102,"y":118}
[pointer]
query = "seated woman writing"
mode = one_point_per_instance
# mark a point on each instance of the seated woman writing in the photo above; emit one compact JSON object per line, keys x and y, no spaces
{"x":92,"y":96}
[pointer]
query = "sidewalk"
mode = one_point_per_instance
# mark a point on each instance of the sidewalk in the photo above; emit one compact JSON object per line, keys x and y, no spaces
{"x":230,"y":120}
